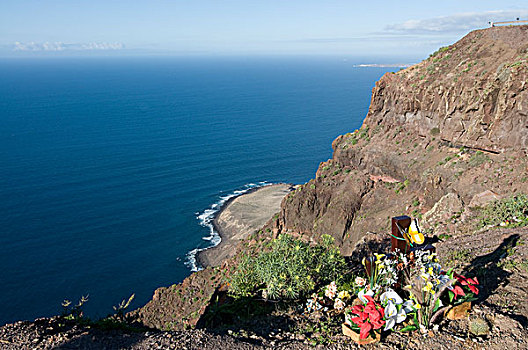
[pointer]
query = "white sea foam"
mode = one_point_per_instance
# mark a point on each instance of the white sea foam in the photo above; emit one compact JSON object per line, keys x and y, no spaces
{"x":206,"y":219}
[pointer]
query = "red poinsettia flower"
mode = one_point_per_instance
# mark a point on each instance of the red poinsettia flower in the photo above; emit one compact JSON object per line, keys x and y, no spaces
{"x":368,"y":317}
{"x":469,"y":282}
{"x":457,"y":290}
{"x":364,"y":330}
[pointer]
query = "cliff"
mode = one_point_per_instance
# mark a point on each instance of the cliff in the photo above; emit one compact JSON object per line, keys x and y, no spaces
{"x":455,"y":123}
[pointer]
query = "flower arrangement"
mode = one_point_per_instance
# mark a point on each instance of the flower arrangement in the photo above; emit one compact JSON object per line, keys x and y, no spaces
{"x":398,"y":292}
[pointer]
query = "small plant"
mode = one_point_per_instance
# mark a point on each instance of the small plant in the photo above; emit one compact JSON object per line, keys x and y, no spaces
{"x":287,"y":269}
{"x":119,"y":310}
{"x":440,"y":50}
{"x":479,"y":327}
{"x":478,"y":158}
{"x":444,"y":236}
{"x":73,"y":312}
{"x":511,"y":212}
{"x":401,"y":186}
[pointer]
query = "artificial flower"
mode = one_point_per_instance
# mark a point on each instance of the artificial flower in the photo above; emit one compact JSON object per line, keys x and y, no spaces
{"x":391,"y":296}
{"x":408,"y":306}
{"x":369,"y":316}
{"x":331,"y":290}
{"x":362,"y":295}
{"x":469,"y":282}
{"x":360,"y":281}
{"x":457,"y":290}
{"x":393,"y":315}
{"x":339,"y":304}
{"x":344,"y":294}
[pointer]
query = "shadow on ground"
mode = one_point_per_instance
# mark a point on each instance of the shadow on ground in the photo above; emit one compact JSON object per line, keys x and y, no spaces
{"x":491,"y":275}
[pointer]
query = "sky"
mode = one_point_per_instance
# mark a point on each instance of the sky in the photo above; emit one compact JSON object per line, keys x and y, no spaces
{"x":371,"y":28}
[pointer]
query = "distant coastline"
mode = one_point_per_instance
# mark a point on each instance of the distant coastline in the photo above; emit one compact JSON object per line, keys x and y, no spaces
{"x":384,"y":65}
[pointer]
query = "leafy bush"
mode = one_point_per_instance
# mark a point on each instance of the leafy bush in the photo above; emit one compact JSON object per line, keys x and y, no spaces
{"x":287,"y":268}
{"x":512,"y":211}
{"x":477,"y":159}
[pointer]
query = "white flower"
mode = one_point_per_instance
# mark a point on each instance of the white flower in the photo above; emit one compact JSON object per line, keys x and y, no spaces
{"x":393,"y":316}
{"x":391,"y":296}
{"x":339,"y":304}
{"x":360,"y":281}
{"x":362,"y":293}
{"x":408,"y":306}
{"x":331,"y":290}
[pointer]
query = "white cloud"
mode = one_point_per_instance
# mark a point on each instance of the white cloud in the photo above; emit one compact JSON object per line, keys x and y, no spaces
{"x":456,"y":23}
{"x":60,"y":46}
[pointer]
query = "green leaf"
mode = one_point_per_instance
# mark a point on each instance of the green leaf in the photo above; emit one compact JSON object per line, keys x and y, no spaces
{"x":451,"y":296}
{"x":437,"y":305}
{"x":408,"y":328}
{"x":415,"y":320}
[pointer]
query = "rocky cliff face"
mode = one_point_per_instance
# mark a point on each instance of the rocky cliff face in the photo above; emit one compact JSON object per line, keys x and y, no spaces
{"x":473,"y":92}
{"x":455,"y":124}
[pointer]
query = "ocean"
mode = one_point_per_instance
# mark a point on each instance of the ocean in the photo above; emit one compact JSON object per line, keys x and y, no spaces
{"x":110,"y":168}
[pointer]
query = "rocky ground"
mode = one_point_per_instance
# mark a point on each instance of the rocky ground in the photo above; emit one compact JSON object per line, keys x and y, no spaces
{"x":497,"y":256}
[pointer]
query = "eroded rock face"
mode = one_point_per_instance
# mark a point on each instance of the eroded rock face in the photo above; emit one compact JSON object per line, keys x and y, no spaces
{"x":179,"y":306}
{"x":472,"y":93}
{"x":448,"y":207}
{"x":450,"y":124}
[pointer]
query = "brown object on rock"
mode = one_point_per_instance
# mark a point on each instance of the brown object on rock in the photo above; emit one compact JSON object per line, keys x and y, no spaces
{"x":458,"y":312}
{"x":355,"y":336}
{"x":397,"y":239}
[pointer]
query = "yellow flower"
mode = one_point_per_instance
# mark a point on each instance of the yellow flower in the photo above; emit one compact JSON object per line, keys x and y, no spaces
{"x":428,"y":287}
{"x":343,"y":294}
{"x":417,"y":306}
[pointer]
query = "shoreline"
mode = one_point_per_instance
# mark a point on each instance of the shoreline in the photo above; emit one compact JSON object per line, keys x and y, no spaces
{"x":240,"y":216}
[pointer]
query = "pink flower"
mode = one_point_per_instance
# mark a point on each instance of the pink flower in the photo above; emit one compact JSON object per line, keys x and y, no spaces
{"x":331,"y":290}
{"x":360,"y":281}
{"x":339,"y":304}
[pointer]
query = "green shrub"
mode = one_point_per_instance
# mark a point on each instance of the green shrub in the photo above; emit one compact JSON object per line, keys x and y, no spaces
{"x":478,"y":158}
{"x":512,"y":211}
{"x":442,"y":49}
{"x":287,"y":269}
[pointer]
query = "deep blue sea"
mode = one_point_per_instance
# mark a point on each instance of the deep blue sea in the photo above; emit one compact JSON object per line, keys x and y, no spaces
{"x":107,"y":165}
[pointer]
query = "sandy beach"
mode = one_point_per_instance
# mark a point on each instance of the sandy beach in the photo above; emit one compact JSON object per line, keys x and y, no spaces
{"x":242,"y":216}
